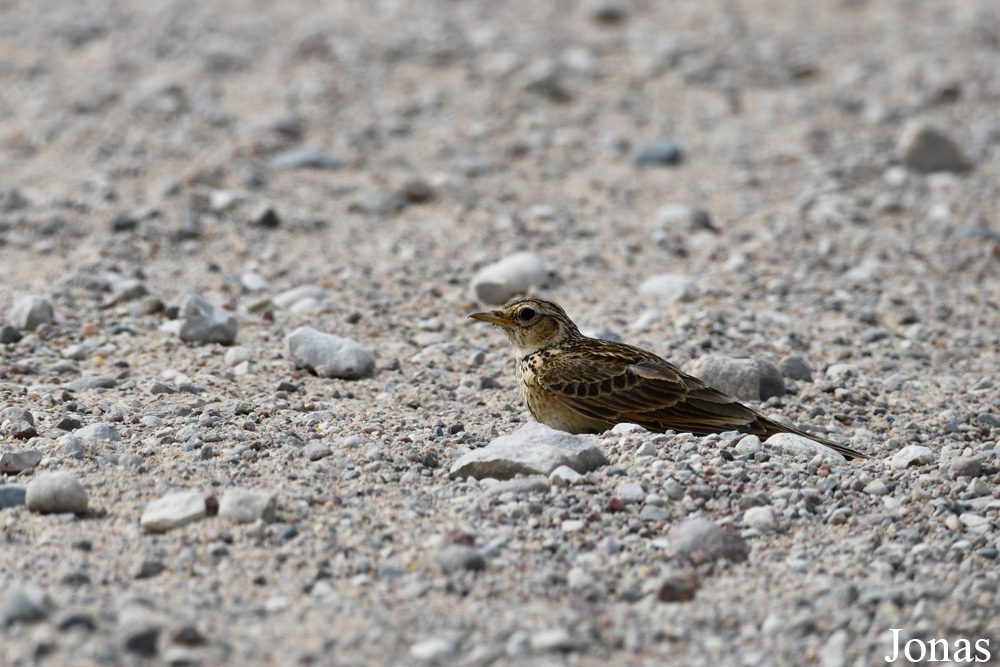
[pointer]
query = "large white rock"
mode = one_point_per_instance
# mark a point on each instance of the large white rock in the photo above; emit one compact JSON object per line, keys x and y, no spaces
{"x":56,"y":492}
{"x":533,"y":449}
{"x":173,"y":511}
{"x":343,"y":357}
{"x":501,"y":281}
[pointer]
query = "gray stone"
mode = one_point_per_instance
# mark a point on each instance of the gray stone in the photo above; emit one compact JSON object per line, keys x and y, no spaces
{"x":265,"y":216}
{"x":520,"y":485}
{"x":305,"y":158}
{"x":876,"y":488}
{"x":53,"y":492}
{"x":15,"y":462}
{"x":147,"y":568}
{"x":761,"y":518}
{"x":98,"y":431}
{"x":544,"y":78}
{"x":795,"y":367}
{"x":12,"y":496}
{"x":19,"y":606}
{"x":458,"y":557}
{"x":927,"y":149}
{"x":912,"y":455}
{"x":9,"y":334}
{"x":743,"y":379}
{"x":670,"y":287}
{"x":702,"y":541}
{"x":173,"y":511}
{"x":167,"y":409}
{"x":964,"y":466}
{"x":17,"y":423}
{"x":749,"y":444}
{"x":565,"y":476}
{"x":315,"y":451}
{"x":90,"y":380}
{"x":203,"y":322}
{"x":658,"y":154}
{"x":434,"y":650}
{"x":534,"y":449}
{"x":345,"y":358}
{"x":292,"y":296}
{"x":243,"y":506}
{"x":31,"y":311}
{"x":630,"y":493}
{"x":797,"y":445}
{"x":512,"y":276}
{"x":554,"y":639}
{"x":380,"y":201}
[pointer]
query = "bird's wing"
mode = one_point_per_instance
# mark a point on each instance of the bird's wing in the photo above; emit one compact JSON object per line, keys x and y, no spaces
{"x":628,"y":384}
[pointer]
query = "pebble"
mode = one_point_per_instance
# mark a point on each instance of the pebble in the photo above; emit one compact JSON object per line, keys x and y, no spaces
{"x":670,"y":287}
{"x":265,"y":216}
{"x":965,"y":466}
{"x":88,"y":381}
{"x":173,"y":511}
{"x":545,"y":78}
{"x":749,"y":444}
{"x":512,"y":276}
{"x":701,"y":541}
{"x":795,"y":367}
{"x":761,"y":518}
{"x":17,"y":423}
{"x":876,"y":488}
{"x":203,"y":322}
{"x":244,"y":506}
{"x":9,"y":334}
{"x":797,"y":445}
{"x":841,"y":371}
{"x":315,"y":451}
{"x":305,"y":158}
{"x":658,"y":154}
{"x":56,"y":492}
{"x":912,"y":455}
{"x":458,"y":557}
{"x":534,"y":449}
{"x":380,"y":201}
{"x":553,"y":639}
{"x":630,"y":493}
{"x":29,"y":312}
{"x":679,"y":585}
{"x":101,"y":431}
{"x":521,"y":486}
{"x":744,"y":379}
{"x":343,"y":357}
{"x":19,"y":606}
{"x":303,"y":293}
{"x":254,"y":282}
{"x":16,"y":462}
{"x":434,"y":649}
{"x":12,"y":496}
{"x":927,"y":149}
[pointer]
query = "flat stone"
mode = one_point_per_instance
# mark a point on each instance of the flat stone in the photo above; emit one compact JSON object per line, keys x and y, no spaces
{"x":56,"y":492}
{"x":340,"y":357}
{"x":797,"y":445}
{"x":305,"y":158}
{"x":743,"y":379}
{"x":512,"y":276}
{"x":702,"y":541}
{"x":669,"y":287}
{"x":203,"y":322}
{"x":520,"y":486}
{"x":29,"y":312}
{"x":166,"y":409}
{"x":88,"y":381}
{"x":534,"y":449}
{"x":243,"y":506}
{"x":173,"y":511}
{"x":99,"y":431}
{"x":15,"y":462}
{"x":434,"y":650}
{"x":912,"y":455}
{"x":795,"y":367}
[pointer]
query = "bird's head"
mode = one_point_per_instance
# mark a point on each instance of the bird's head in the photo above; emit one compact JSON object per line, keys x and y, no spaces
{"x":531,"y":324}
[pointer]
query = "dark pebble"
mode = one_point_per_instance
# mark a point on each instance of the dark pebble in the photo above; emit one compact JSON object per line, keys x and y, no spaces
{"x":660,"y":154}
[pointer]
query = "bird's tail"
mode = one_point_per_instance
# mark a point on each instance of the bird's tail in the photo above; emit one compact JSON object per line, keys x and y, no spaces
{"x":772,"y":427}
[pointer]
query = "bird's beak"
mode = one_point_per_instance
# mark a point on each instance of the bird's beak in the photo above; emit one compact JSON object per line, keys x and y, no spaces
{"x":493,"y":318}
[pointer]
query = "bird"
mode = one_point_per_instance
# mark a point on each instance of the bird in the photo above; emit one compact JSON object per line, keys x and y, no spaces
{"x":578,"y":384}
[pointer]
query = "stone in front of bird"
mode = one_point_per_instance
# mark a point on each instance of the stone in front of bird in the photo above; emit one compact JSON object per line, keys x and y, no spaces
{"x":585,"y":385}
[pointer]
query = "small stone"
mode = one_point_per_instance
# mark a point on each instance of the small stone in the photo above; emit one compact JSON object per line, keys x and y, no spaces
{"x":842,"y":371}
{"x":148,"y":568}
{"x":102,"y":431}
{"x":265,"y":216}
{"x":243,"y":506}
{"x":11,"y":199}
{"x":978,"y":487}
{"x":795,"y":367}
{"x":671,"y":287}
{"x":554,"y":639}
{"x":380,"y":201}
{"x":673,"y":489}
{"x":132,"y":461}
{"x":658,"y":154}
{"x":701,"y":541}
{"x":254,"y":282}
{"x":457,"y":557}
{"x":305,"y":158}
{"x":545,"y":78}
{"x":927,"y":149}
{"x":966,"y":467}
{"x":17,"y":423}
{"x":139,"y":635}
{"x":631,"y":493}
{"x":9,"y":334}
{"x":678,"y":586}
{"x":315,"y":451}
{"x":519,"y":486}
{"x":749,"y":444}
{"x":797,"y":445}
{"x":56,"y":492}
{"x":512,"y":276}
{"x":20,"y":607}
{"x":534,"y":449}
{"x":744,"y":379}
{"x":203,"y":322}
{"x":173,"y":511}
{"x":343,"y":357}
{"x":912,"y":455}
{"x":69,"y":423}
{"x":88,"y":381}
{"x":12,"y":496}
{"x":760,"y":518}
{"x":30,"y":312}
{"x":15,"y":462}
{"x":435,"y":650}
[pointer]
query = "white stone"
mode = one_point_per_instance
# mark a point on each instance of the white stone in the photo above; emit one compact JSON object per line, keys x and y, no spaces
{"x":501,"y":281}
{"x":56,"y":492}
{"x":565,"y":476}
{"x":99,"y":431}
{"x":761,"y":518}
{"x":671,"y":287}
{"x":797,"y":445}
{"x":31,"y":311}
{"x":534,"y":449}
{"x":243,"y":506}
{"x":173,"y":511}
{"x":345,"y":358}
{"x":912,"y":455}
{"x":204,"y":322}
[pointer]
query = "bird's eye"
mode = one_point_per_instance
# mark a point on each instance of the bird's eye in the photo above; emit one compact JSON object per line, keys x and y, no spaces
{"x":526,"y":314}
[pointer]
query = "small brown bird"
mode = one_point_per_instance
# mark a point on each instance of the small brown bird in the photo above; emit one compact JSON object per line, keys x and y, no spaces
{"x":585,"y":385}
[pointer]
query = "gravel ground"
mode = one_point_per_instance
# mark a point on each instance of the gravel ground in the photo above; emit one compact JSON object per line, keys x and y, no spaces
{"x":181,"y":486}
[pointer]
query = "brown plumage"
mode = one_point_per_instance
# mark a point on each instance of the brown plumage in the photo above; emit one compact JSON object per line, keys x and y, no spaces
{"x":585,"y":385}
